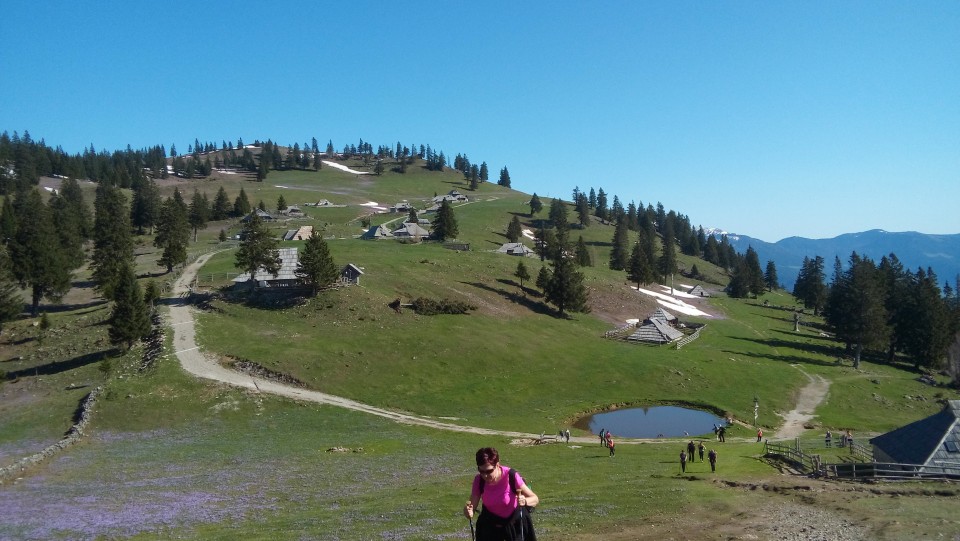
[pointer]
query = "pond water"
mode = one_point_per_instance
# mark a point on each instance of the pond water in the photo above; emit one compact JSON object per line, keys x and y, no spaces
{"x":652,"y":422}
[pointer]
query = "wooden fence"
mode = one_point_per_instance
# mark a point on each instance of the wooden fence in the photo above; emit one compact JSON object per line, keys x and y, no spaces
{"x":890,"y":471}
{"x":687,"y":339}
{"x":803,"y":461}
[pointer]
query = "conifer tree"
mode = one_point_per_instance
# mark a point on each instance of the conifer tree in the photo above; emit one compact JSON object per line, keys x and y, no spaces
{"x":619,"y":255}
{"x":145,"y":206}
{"x":241,"y":205}
{"x":565,"y":289}
{"x":11,"y":303}
{"x":112,"y":238}
{"x":504,"y":177}
{"x":770,"y":278}
{"x":543,"y":279}
{"x":220,"y":210}
{"x":173,"y":232}
{"x":258,"y":250}
{"x":198,"y":212}
{"x":35,"y":253}
{"x":316,"y":266}
{"x":638,"y":269}
{"x":667,"y":264}
{"x":583,"y":209}
{"x":130,"y":318}
{"x":582,"y":254}
{"x":522,"y":274}
{"x":754,"y":275}
{"x":281,"y":203}
{"x":445,"y":225}
{"x":855,"y":307}
{"x":535,"y":204}
{"x":8,"y":221}
{"x":514,"y":230}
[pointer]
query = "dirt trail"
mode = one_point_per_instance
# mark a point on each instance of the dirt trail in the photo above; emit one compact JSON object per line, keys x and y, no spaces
{"x":194,"y":361}
{"x":811,"y":396}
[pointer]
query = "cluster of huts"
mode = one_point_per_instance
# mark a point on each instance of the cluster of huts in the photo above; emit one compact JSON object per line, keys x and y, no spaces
{"x":287,"y":275}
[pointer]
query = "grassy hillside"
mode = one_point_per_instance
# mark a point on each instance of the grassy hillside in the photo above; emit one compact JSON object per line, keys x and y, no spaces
{"x":171,"y":456}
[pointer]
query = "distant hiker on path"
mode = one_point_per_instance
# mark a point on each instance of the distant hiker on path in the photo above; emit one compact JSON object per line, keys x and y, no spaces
{"x":566,"y":435}
{"x":722,"y":434}
{"x":603,"y":439}
{"x":712,"y":455}
{"x":610,"y":444}
{"x":691,"y":450}
{"x":827,"y":438}
{"x":700,"y":448}
{"x":759,"y":434}
{"x":683,"y":461}
{"x":506,"y":500}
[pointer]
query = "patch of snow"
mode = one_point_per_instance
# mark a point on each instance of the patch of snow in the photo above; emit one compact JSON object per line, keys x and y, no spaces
{"x":529,"y":234}
{"x":345,"y":168}
{"x":632,"y":321}
{"x":674,"y":304}
{"x":370,"y":204}
{"x":279,"y":186}
{"x":226,"y":172}
{"x":678,"y":293}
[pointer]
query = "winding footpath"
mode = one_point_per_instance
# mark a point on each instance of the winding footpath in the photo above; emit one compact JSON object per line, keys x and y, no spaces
{"x":194,"y":361}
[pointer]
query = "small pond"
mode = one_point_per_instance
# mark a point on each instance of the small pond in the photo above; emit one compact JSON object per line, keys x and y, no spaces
{"x":652,"y":422}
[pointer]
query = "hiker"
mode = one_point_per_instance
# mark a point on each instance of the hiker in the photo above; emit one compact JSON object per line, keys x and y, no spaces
{"x":716,"y":431}
{"x":603,"y":440}
{"x":712,"y":455}
{"x":721,"y":433}
{"x":759,"y":434}
{"x":506,"y":501}
{"x":610,"y":444}
{"x":691,"y":449}
{"x":566,"y":435}
{"x":683,"y":461}
{"x":700,"y":448}
{"x":827,"y":438}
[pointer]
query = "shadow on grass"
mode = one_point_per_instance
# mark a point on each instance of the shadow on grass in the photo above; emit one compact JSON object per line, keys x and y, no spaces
{"x":829,"y":351}
{"x":63,"y":366}
{"x":526,"y":301}
{"x":57,"y":308}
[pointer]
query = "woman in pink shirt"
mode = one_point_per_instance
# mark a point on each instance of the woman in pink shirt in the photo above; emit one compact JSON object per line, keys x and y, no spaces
{"x":506,"y":501}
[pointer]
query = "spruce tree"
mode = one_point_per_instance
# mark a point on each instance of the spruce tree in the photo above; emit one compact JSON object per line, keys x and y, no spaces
{"x":258,"y":250}
{"x":130,"y":318}
{"x":770,"y":278}
{"x":145,"y":206}
{"x":514,"y":230}
{"x":281,"y":203}
{"x":535,"y":204}
{"x":198,"y":212}
{"x":316,"y":266}
{"x":445,"y":225}
{"x":638,"y":269}
{"x":220,"y":210}
{"x":173,"y":232}
{"x":619,"y":255}
{"x":36,"y":256}
{"x":582,"y":254}
{"x":543,"y":279}
{"x":11,"y":303}
{"x":241,"y":205}
{"x":522,"y":274}
{"x":504,"y":178}
{"x":112,"y":238}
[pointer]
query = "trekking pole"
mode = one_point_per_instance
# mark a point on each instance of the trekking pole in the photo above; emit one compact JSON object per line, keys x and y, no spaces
{"x":473,"y":535}
{"x":521,"y":514}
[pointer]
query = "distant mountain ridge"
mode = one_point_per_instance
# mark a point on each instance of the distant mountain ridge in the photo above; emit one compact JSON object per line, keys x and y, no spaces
{"x":914,"y":250}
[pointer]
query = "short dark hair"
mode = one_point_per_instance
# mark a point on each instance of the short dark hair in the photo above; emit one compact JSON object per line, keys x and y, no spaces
{"x":487,"y":455}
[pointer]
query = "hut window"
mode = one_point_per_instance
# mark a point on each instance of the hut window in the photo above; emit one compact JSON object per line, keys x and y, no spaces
{"x":952,"y":447}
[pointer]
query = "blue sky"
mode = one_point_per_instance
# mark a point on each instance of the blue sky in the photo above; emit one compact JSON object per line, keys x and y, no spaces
{"x":769,"y":119}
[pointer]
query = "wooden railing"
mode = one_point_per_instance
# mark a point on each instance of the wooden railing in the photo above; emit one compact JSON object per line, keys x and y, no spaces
{"x":687,"y":339}
{"x":891,"y":471}
{"x":807,"y":463}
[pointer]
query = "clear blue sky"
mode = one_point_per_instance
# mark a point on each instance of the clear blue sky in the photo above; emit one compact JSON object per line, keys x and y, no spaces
{"x":769,"y":119}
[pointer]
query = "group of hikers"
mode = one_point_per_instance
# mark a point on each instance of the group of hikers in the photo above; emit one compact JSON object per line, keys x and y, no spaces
{"x":691,"y":453}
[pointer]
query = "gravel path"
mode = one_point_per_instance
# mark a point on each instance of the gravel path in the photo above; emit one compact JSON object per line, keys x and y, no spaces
{"x":811,"y":396}
{"x":194,"y":361}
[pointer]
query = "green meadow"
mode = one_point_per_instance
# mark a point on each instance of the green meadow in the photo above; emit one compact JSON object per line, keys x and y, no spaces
{"x":170,"y":456}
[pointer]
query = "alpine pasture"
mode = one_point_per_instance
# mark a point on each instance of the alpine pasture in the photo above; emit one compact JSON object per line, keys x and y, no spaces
{"x":170,"y":456}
